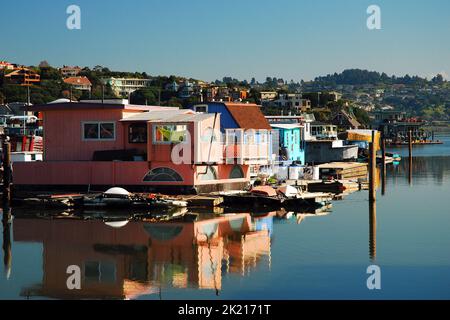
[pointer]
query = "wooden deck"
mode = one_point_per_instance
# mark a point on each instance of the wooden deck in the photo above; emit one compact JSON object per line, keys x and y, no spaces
{"x":344,"y":170}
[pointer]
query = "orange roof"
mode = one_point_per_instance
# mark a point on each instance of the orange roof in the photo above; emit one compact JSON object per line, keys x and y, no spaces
{"x":19,"y":72}
{"x":78,"y":81}
{"x":248,"y":116}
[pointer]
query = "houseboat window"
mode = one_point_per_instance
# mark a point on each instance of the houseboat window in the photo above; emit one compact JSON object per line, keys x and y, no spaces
{"x":99,"y":131}
{"x":201,"y":108}
{"x":209,"y":135}
{"x":90,"y":131}
{"x":100,"y":272}
{"x":169,"y":133}
{"x":208,"y":174}
{"x":262,"y":137}
{"x":106,"y":131}
{"x":162,"y":174}
{"x":137,"y":133}
{"x":236,"y":173}
{"x":249,"y":136}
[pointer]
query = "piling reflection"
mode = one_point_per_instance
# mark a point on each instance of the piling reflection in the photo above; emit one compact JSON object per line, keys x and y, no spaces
{"x":7,"y":254}
{"x":128,"y":260}
{"x":410,"y":170}
{"x":372,"y":230}
{"x":424,"y":170}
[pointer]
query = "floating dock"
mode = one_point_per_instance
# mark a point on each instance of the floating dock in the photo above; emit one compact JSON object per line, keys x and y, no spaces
{"x":343,"y":170}
{"x":203,"y":201}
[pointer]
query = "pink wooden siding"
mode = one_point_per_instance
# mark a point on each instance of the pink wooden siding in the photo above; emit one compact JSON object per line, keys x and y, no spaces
{"x":111,"y":173}
{"x":79,"y":173}
{"x":63,"y":138}
{"x":95,"y":173}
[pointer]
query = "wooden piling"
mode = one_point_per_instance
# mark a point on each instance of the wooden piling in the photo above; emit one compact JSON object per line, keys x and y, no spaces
{"x":7,"y":174}
{"x":383,"y":166}
{"x":372,"y":230}
{"x":372,"y":168}
{"x":410,"y":147}
{"x":7,"y":255}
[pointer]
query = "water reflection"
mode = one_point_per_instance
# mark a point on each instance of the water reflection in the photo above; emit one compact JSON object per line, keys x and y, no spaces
{"x":7,"y":255}
{"x":424,"y":170}
{"x":373,"y":230}
{"x":141,"y":258}
{"x":138,"y":257}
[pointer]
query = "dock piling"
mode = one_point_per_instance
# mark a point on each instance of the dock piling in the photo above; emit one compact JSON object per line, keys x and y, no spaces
{"x":410,"y":147}
{"x":372,"y":230}
{"x":383,"y":165}
{"x":372,"y":168}
{"x":7,"y":174}
{"x":7,"y":255}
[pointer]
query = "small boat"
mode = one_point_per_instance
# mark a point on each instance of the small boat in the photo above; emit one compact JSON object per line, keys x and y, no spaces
{"x":395,"y":156}
{"x":333,"y":186}
{"x":269,"y":198}
{"x":115,"y":198}
{"x":257,"y":197}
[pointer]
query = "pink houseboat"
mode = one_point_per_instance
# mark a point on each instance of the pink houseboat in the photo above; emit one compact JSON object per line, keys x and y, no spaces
{"x":92,"y":146}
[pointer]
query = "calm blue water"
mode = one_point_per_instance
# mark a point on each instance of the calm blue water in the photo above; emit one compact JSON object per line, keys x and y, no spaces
{"x":322,"y":257}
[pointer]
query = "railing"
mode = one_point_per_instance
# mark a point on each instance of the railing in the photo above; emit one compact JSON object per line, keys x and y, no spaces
{"x":209,"y":152}
{"x":247,"y":153}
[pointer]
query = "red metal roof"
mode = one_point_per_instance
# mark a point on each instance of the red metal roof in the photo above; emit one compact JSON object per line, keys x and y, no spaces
{"x":248,"y":116}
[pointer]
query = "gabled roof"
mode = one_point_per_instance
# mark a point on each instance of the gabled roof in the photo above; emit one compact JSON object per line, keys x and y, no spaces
{"x":19,"y":72}
{"x":349,"y":118}
{"x":248,"y":116}
{"x":78,"y":81}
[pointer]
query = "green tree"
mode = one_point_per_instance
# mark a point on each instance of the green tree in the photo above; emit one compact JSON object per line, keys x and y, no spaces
{"x":362,"y":116}
{"x":149,"y":96}
{"x":50,"y":73}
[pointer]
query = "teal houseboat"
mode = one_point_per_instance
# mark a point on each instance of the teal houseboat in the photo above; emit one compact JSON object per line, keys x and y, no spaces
{"x":291,"y":141}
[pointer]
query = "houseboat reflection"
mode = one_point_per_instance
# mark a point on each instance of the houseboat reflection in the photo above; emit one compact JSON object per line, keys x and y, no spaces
{"x":125,"y":261}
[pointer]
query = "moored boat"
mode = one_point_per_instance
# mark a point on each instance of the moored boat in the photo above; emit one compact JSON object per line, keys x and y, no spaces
{"x":120,"y":198}
{"x":395,"y":156}
{"x":257,"y":197}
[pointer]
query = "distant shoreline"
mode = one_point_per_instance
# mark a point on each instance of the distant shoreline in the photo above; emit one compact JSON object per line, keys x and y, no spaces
{"x":438,"y":128}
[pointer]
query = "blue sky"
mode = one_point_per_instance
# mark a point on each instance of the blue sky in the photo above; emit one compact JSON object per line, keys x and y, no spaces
{"x":209,"y":39}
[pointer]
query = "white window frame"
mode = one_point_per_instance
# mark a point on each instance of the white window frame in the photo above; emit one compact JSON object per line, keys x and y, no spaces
{"x":98,"y":123}
{"x":201,"y":106}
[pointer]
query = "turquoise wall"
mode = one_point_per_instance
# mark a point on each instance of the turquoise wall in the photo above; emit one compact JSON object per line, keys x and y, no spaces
{"x":293,"y":141}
